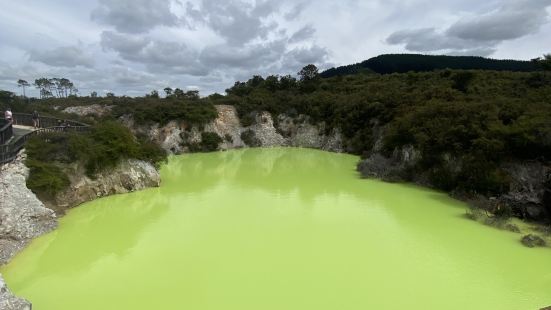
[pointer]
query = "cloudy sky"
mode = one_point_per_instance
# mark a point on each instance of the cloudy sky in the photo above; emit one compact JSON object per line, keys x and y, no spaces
{"x":133,"y":46}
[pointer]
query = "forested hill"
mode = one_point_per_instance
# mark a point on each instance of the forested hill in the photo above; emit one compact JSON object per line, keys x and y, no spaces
{"x":401,"y":63}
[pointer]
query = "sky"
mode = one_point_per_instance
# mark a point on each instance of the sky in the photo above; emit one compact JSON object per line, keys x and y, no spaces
{"x":131,"y":47}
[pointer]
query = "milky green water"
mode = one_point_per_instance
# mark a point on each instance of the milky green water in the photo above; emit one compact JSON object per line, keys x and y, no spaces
{"x":281,"y":229}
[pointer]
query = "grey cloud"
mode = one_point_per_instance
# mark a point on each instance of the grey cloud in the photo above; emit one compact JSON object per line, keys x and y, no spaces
{"x":299,"y":57}
{"x":135,"y":16}
{"x":429,"y":39}
{"x":158,"y":56}
{"x":302,"y":34}
{"x":236,"y":21}
{"x":513,"y":20}
{"x":252,"y":56}
{"x":480,"y":51}
{"x":295,"y":12}
{"x":478,"y":35}
{"x":69,"y":56}
{"x":124,"y":44}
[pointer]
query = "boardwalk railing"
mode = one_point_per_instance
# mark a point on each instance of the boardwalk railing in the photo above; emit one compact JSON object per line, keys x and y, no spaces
{"x":9,"y":151}
{"x":6,"y":131}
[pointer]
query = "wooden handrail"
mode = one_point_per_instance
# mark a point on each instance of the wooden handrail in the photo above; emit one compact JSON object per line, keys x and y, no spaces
{"x":9,"y":151}
{"x":6,"y":131}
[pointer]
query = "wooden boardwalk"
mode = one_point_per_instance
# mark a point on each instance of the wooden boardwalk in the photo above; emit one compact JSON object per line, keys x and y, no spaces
{"x":19,"y":130}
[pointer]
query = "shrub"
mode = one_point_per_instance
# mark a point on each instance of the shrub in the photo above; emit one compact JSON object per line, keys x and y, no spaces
{"x":210,"y":141}
{"x":250,"y":139}
{"x":102,"y":148}
{"x":462,"y":80}
{"x":151,"y":110}
{"x":46,"y":178}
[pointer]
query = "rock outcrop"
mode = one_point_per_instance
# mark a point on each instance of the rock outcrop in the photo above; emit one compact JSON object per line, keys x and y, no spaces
{"x":129,"y":176}
{"x":528,"y":187}
{"x":8,"y":301}
{"x":87,"y":110}
{"x":528,"y":197}
{"x":175,"y":137}
{"x":393,"y":169}
{"x":22,"y":215}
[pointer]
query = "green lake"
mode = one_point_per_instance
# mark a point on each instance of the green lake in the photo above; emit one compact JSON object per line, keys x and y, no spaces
{"x":281,"y":229}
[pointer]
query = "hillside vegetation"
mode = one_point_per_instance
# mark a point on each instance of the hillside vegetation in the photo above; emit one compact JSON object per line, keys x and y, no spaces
{"x":402,"y":63}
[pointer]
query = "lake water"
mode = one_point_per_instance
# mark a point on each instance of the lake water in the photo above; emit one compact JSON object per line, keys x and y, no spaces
{"x":281,"y":229}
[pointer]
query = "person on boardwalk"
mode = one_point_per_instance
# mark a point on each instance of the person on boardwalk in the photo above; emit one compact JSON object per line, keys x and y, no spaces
{"x":8,"y":115}
{"x":36,"y":119}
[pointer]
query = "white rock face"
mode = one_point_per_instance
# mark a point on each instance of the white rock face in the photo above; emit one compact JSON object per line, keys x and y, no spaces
{"x":266,"y":132}
{"x":8,"y":301}
{"x":296,"y":132}
{"x":94,"y":109}
{"x":129,"y":176}
{"x":22,"y":215}
{"x":227,"y":125}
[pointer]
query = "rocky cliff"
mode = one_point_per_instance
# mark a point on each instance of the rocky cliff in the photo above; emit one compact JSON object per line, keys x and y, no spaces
{"x":22,"y":215}
{"x":129,"y":176}
{"x":528,"y":196}
{"x":10,"y":302}
{"x":176,"y":137}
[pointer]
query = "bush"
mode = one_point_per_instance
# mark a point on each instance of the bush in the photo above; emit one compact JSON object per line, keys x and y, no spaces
{"x":46,"y":178}
{"x":210,"y":141}
{"x":250,"y":139}
{"x":102,"y":148}
{"x":462,"y":80}
{"x":151,"y":110}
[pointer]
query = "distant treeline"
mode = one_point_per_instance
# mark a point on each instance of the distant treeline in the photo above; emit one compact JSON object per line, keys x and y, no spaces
{"x":402,"y":63}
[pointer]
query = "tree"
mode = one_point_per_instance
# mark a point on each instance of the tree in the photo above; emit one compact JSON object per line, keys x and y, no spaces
{"x":110,"y":95}
{"x":308,"y":73}
{"x":94,"y":94}
{"x":178,"y":93}
{"x":153,"y":94}
{"x":287,"y":82}
{"x":45,"y":86}
{"x":168,"y":91}
{"x":61,"y":86}
{"x":192,"y":94}
{"x":23,"y":84}
{"x":545,"y":62}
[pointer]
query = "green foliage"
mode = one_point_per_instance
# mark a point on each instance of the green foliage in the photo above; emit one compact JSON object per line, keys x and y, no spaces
{"x":105,"y":146}
{"x":310,"y":72}
{"x":461,"y":80}
{"x":250,"y":139}
{"x":153,"y":110}
{"x":210,"y":142}
{"x":46,"y":178}
{"x":100,"y":149}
